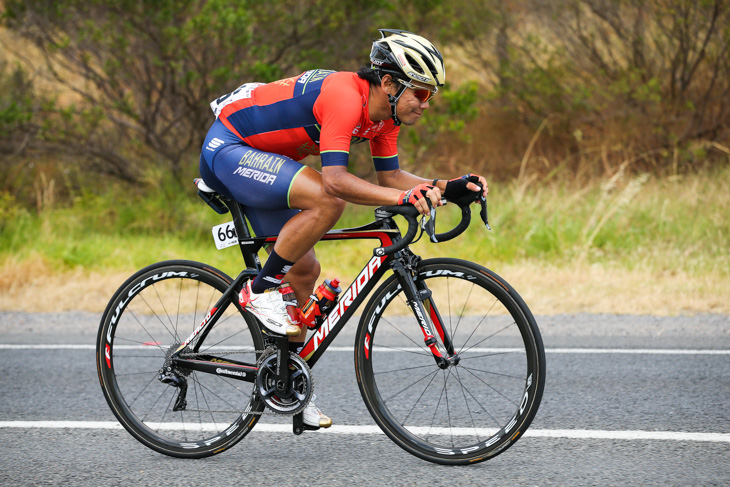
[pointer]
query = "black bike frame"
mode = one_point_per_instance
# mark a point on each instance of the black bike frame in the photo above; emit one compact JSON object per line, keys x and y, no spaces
{"x":401,"y":262}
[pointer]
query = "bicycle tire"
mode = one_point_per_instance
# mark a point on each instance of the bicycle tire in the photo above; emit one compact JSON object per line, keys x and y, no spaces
{"x":148,"y":317}
{"x":471,"y":411}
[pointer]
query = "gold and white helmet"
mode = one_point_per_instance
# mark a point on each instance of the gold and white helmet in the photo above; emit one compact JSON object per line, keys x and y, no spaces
{"x":406,"y":55}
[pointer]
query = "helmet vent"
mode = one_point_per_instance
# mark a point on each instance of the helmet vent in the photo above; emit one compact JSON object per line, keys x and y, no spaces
{"x":414,"y":64}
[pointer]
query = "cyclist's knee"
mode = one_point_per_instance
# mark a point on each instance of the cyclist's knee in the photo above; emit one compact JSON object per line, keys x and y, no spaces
{"x":328,"y":208}
{"x":333,"y":207}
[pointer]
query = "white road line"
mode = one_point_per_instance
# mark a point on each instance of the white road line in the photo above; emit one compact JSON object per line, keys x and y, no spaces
{"x":636,"y":351}
{"x":374,"y":430}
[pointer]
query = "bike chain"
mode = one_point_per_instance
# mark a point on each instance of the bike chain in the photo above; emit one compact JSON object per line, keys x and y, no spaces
{"x":265,"y":412}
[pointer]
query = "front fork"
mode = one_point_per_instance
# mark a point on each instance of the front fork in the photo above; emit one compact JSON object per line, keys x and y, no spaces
{"x":419,"y":299}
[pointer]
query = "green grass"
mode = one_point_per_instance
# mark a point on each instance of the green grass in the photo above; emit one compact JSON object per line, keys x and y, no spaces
{"x":628,"y":221}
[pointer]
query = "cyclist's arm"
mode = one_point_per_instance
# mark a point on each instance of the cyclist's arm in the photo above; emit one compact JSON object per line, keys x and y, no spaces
{"x":401,"y":179}
{"x":404,"y":180}
{"x":338,"y":182}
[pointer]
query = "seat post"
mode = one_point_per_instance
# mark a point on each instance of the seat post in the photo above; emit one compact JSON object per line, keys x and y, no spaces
{"x":250,"y":257}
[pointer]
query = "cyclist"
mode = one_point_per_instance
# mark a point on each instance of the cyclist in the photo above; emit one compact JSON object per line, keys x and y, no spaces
{"x":261,"y":131}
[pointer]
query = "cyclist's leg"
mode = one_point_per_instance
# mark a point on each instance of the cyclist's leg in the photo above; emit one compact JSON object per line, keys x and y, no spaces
{"x":319,"y":213}
{"x":274,"y":189}
{"x":305,"y":272}
{"x":298,"y":230}
{"x":284,"y":183}
{"x":313,"y":214}
{"x":303,"y":277}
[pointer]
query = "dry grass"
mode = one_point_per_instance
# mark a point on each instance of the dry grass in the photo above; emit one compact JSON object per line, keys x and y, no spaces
{"x":601,"y":289}
{"x":33,"y":286}
{"x":547,"y":289}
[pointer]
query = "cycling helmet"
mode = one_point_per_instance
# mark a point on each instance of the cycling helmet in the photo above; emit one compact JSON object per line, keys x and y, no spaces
{"x":407,"y":57}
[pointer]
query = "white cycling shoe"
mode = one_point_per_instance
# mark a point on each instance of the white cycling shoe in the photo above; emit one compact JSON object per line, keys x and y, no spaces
{"x":270,"y":308}
{"x":313,"y":417}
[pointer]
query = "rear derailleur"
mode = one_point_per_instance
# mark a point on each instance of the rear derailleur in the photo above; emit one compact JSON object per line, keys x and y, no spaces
{"x":174,"y":376}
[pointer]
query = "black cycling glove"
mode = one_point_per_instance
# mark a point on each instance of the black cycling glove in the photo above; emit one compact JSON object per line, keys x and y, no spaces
{"x":456,"y":188}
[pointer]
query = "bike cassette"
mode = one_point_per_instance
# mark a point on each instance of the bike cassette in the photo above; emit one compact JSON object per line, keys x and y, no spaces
{"x":281,"y":398}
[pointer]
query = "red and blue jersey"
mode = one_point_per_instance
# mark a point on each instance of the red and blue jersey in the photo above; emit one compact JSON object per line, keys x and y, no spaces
{"x":319,"y":112}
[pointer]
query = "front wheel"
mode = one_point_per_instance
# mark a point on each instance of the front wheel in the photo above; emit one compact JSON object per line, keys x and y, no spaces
{"x":147,"y":319}
{"x":484,"y":400}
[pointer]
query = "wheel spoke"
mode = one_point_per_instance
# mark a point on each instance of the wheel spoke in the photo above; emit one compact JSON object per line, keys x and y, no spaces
{"x":159,"y":298}
{"x":429,"y":366}
{"x":419,"y":345}
{"x":419,"y":399}
{"x":423,"y":353}
{"x":513,"y":402}
{"x":466,"y":403}
{"x":484,"y":408}
{"x":487,"y":338}
{"x":472,"y":369}
{"x":461,"y":314}
{"x":490,"y":354}
{"x":130,"y":311}
{"x":477,"y":328}
{"x":413,"y":384}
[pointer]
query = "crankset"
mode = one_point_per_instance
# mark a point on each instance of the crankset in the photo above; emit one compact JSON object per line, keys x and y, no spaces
{"x":282,"y":397}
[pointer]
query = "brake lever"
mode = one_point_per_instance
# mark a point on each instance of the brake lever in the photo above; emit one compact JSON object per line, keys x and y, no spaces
{"x":483,"y":212}
{"x":429,"y":226}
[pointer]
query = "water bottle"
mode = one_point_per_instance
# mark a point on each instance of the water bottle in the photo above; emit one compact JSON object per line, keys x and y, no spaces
{"x":320,"y":303}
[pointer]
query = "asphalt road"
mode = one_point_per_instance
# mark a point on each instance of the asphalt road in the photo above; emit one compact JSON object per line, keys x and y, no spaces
{"x":629,"y":400}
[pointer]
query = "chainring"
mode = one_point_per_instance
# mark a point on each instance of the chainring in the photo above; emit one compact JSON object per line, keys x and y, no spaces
{"x":301,"y":384}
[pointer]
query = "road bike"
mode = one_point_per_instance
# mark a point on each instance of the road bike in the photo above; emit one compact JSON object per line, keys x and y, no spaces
{"x":448,"y":357}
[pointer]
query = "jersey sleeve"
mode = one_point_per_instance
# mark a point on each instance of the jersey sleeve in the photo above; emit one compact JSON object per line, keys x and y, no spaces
{"x":384,"y":149}
{"x":337,"y":110}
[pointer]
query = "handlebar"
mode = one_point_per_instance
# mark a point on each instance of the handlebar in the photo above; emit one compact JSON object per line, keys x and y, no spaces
{"x":410,"y":213}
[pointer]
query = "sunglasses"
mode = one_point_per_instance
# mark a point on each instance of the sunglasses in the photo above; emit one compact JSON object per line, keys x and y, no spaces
{"x":423,"y":94}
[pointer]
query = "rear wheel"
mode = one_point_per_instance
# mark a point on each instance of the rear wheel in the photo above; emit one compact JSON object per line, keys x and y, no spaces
{"x":147,"y":319}
{"x":481,"y":403}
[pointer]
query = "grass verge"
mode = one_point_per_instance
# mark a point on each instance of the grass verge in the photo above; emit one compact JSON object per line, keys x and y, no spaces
{"x":626,"y":244}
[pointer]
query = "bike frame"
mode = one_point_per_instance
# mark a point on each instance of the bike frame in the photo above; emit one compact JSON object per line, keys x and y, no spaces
{"x":402,"y":263}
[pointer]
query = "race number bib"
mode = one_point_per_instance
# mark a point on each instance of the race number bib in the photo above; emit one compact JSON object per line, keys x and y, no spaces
{"x":244,"y":91}
{"x":224,"y":235}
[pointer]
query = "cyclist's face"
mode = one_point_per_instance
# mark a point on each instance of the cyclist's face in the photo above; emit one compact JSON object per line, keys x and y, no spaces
{"x":409,"y":107}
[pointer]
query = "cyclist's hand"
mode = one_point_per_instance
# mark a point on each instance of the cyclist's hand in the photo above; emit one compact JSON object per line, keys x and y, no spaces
{"x":458,"y":187}
{"x":420,"y":196}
